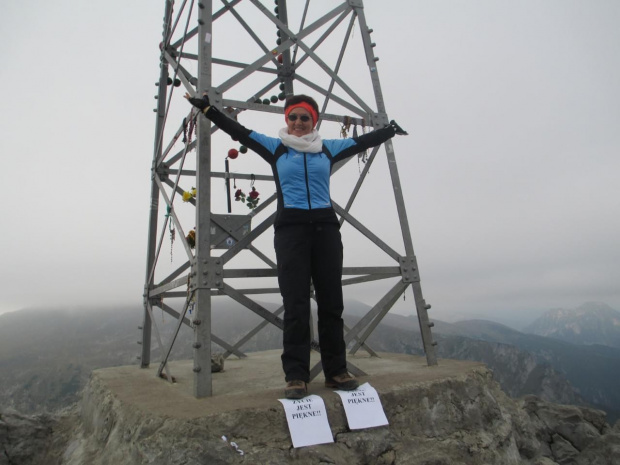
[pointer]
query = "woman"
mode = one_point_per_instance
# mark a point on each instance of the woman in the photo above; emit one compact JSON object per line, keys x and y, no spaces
{"x":307,"y":233}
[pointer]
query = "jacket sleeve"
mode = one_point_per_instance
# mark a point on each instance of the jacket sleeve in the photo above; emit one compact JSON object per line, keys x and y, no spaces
{"x":363,"y":142}
{"x":238,"y":132}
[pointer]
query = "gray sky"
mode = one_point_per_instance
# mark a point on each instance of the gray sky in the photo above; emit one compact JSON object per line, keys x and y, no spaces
{"x":510,"y":171}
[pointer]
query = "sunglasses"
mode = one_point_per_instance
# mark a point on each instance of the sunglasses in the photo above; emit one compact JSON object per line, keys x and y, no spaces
{"x":304,"y":118}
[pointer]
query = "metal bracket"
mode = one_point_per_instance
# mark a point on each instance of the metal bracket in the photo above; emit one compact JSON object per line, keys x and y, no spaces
{"x":215,"y":98}
{"x":286,"y":72}
{"x":380,"y":120}
{"x":207,"y":275}
{"x":163,"y":171}
{"x":356,"y":3}
{"x":409,"y":269}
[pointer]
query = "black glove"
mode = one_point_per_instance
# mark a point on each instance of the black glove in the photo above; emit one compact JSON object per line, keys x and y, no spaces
{"x":397,"y":129}
{"x":201,"y":103}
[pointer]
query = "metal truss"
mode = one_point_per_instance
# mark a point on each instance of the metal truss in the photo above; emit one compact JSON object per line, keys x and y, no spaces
{"x":240,"y":52}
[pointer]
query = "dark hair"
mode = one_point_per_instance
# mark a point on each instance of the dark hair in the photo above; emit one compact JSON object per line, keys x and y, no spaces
{"x":302,"y":98}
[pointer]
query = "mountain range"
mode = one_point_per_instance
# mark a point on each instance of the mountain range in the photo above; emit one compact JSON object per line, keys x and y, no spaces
{"x":590,"y":323}
{"x":593,"y":370}
{"x":46,"y":356}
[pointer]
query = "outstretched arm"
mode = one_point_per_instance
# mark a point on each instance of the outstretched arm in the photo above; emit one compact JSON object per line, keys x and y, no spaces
{"x":226,"y":124}
{"x":379,"y":136}
{"x":371,"y":139}
{"x":229,"y":126}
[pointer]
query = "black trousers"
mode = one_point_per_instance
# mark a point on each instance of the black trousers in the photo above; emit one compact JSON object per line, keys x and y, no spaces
{"x":305,"y":252}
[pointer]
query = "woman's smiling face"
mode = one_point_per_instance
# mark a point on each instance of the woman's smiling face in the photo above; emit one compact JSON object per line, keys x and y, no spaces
{"x":296,"y":124}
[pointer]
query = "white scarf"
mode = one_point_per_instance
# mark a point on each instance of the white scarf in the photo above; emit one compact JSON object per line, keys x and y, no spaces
{"x":310,"y":143}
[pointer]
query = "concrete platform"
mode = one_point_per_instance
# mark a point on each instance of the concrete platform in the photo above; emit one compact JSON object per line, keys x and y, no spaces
{"x":257,"y":382}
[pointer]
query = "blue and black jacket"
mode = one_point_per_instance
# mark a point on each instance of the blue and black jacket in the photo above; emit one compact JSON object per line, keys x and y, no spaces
{"x":302,"y":179}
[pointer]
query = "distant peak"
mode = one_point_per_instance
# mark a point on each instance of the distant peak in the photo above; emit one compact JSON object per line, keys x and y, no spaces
{"x":595,"y":306}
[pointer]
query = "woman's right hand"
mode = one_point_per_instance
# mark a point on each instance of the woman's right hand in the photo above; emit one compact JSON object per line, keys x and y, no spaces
{"x":200,"y":103}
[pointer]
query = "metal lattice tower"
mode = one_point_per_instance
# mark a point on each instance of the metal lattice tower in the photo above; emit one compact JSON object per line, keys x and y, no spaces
{"x":240,"y":54}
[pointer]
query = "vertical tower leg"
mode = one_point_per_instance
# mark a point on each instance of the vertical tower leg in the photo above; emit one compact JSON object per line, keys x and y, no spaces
{"x":203,"y":279}
{"x":145,"y":358}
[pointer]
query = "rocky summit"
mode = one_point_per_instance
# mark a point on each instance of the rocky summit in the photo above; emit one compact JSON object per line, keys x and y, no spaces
{"x":453,"y":413}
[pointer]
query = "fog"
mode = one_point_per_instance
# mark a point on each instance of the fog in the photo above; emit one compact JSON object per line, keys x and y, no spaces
{"x":510,"y":171}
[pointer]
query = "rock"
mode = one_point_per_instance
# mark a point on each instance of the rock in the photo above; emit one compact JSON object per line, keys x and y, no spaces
{"x":563,"y":451}
{"x":36,"y":439}
{"x":563,"y":432}
{"x":217,"y":363}
{"x":602,"y":451}
{"x":460,"y":419}
{"x":449,"y":419}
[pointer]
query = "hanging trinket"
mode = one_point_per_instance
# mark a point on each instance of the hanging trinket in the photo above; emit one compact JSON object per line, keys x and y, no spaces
{"x":188,"y":195}
{"x":346,"y":125}
{"x":172,"y":234}
{"x":251,"y":200}
{"x":191,"y":238}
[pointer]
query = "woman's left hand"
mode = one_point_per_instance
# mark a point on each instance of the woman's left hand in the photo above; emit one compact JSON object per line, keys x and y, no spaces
{"x":397,"y":129}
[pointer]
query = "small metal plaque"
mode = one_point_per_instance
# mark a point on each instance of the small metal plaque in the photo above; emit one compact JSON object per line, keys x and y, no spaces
{"x":226,"y":230}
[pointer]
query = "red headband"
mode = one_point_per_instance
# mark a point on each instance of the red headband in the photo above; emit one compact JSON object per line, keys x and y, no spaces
{"x":305,"y":106}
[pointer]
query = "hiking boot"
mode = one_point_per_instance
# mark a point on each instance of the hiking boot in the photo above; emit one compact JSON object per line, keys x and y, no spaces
{"x":296,"y":389}
{"x":345,"y":382}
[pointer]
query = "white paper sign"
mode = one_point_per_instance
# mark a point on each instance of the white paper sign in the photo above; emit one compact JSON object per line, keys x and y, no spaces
{"x":307,"y":421}
{"x":363,"y":407}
